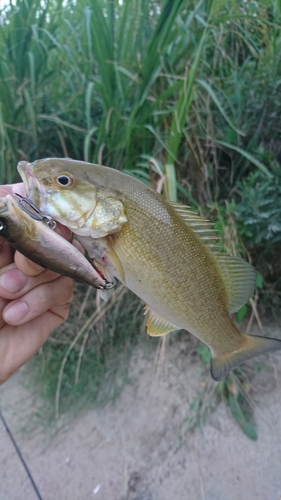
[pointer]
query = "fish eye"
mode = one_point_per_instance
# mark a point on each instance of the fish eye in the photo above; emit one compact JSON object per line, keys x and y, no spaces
{"x":65,"y":180}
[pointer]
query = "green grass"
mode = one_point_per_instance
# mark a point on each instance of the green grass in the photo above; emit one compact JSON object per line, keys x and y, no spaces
{"x":196,"y":88}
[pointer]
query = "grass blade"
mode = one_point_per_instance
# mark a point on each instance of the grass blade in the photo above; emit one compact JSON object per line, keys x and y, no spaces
{"x":248,"y":156}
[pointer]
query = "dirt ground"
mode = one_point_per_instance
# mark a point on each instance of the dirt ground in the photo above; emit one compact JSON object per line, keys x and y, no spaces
{"x":136,"y":449}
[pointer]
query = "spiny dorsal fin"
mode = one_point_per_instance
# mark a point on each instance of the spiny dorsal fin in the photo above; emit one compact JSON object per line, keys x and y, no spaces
{"x":239,"y":279}
{"x":203,"y":227}
{"x":239,"y":276}
{"x":157,"y":326}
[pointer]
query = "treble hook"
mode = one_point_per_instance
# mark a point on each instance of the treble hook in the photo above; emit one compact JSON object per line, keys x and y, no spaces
{"x":47,"y":219}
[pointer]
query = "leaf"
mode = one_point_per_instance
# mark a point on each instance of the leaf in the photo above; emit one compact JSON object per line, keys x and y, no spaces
{"x":88,"y":98}
{"x":259,"y":281}
{"x":87,"y":143}
{"x":204,"y":353}
{"x":158,"y":137}
{"x":242,"y":417}
{"x":248,"y":156}
{"x":242,"y":313}
{"x":219,"y":105}
{"x":170,"y":182}
{"x":129,"y":74}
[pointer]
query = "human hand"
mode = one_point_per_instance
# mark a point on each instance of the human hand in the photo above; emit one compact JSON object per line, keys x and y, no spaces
{"x":33,"y":301}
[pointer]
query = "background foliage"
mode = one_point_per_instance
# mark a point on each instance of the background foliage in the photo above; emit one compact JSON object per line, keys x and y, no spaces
{"x":188,"y":91}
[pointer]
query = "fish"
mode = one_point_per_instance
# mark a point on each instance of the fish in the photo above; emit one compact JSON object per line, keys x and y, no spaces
{"x":42,"y":245}
{"x":162,"y":251}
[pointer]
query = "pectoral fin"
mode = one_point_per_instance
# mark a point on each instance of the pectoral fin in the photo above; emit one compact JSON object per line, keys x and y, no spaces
{"x":252,"y":346}
{"x":115,"y":261}
{"x":157,"y":326}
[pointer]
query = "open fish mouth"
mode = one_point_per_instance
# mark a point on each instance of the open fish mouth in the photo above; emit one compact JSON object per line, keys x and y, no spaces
{"x":32,"y":186}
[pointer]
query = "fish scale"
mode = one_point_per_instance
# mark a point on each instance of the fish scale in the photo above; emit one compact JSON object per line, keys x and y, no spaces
{"x":163,"y":252}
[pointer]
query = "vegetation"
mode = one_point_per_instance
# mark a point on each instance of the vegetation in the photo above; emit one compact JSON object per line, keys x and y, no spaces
{"x":188,"y":93}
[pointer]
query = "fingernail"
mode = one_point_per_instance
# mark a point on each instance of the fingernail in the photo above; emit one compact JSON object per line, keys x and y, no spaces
{"x":13,"y":281}
{"x":16,"y":312}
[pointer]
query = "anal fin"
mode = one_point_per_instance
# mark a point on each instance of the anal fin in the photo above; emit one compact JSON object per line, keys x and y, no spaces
{"x":157,"y":326}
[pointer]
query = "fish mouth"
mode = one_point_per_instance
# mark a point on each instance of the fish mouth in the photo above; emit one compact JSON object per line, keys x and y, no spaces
{"x":32,"y":186}
{"x":3,"y":205}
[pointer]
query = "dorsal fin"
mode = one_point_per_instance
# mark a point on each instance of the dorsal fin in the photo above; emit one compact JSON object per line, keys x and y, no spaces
{"x":203,"y":227}
{"x":239,"y":276}
{"x":239,"y":279}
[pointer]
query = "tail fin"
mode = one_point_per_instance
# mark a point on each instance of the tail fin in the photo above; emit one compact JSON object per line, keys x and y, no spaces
{"x":253,"y":346}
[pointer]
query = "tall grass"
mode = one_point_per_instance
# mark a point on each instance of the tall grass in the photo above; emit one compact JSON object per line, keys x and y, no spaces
{"x":109,"y":82}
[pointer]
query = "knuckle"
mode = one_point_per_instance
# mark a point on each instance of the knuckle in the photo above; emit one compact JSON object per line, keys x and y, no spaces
{"x":27,"y":266}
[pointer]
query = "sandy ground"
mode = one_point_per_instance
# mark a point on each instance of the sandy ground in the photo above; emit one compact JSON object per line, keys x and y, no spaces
{"x":136,"y":450}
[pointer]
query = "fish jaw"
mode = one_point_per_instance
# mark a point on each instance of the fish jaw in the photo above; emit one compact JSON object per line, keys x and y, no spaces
{"x":41,"y":190}
{"x":31,"y":185}
{"x":84,"y":210}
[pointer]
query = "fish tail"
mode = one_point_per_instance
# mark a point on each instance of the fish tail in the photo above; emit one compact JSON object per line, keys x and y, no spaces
{"x":251,"y":346}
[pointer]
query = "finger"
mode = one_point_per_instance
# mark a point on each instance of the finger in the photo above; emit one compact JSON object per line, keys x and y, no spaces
{"x":18,"y":344}
{"x":26,"y":342}
{"x":30,"y":268}
{"x":27,"y":266}
{"x":45,"y":297}
{"x":15,"y":283}
{"x":18,"y":188}
{"x":6,"y":257}
{"x":12,"y":189}
{"x":63,"y":231}
{"x":3,"y":303}
{"x":20,"y":277}
{"x":79,"y":247}
{"x":6,"y":253}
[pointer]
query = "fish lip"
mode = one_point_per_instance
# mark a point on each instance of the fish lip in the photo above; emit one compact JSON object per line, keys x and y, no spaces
{"x":31,"y":184}
{"x":26,"y":173}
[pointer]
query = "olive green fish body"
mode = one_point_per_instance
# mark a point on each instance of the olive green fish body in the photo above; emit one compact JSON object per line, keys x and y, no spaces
{"x":163,"y":252}
{"x":166,"y":264}
{"x":174,"y":274}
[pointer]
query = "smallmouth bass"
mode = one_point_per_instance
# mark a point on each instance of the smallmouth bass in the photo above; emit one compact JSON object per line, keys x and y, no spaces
{"x":161,"y":251}
{"x":42,"y":245}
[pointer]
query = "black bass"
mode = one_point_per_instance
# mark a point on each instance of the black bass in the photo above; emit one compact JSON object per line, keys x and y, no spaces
{"x":42,"y":245}
{"x":161,"y":251}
